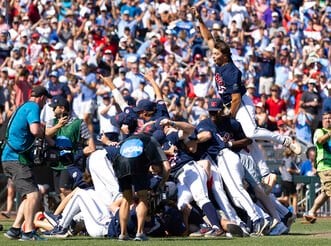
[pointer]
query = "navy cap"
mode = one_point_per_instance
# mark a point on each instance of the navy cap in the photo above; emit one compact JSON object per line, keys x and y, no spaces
{"x":215,"y":104}
{"x":128,"y":117}
{"x":130,"y":100}
{"x":59,"y":101}
{"x":144,"y":105}
{"x":159,"y":136}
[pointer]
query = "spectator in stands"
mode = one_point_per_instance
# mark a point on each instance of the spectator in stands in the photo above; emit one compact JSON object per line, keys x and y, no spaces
{"x":310,"y":102}
{"x":303,"y":122}
{"x":307,"y":168}
{"x":275,"y":107}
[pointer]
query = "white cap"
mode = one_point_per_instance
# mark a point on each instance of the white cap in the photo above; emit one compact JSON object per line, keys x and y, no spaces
{"x":216,"y":26}
{"x":269,"y":49}
{"x":259,"y":104}
{"x":311,"y":81}
{"x":163,"y":7}
{"x":132,"y":59}
{"x":58,"y":46}
{"x":250,"y":85}
{"x":103,"y":8}
{"x":63,"y":79}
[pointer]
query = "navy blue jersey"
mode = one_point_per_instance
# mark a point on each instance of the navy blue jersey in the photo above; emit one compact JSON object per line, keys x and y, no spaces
{"x":228,"y":81}
{"x":181,"y":157}
{"x":112,"y":152}
{"x":213,"y":146}
{"x":230,"y":128}
{"x":161,"y":110}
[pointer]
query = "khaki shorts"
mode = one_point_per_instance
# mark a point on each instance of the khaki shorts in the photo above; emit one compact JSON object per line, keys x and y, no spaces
{"x":325,"y":177}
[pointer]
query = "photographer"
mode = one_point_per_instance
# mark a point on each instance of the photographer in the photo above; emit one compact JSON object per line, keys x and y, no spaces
{"x":70,"y":135}
{"x":22,"y":130}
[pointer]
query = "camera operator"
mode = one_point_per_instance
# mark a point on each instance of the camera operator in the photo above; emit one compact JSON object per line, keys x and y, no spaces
{"x":71,"y":135}
{"x":22,"y":130}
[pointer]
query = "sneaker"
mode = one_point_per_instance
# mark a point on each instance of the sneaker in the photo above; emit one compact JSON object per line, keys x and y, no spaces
{"x":31,"y":236}
{"x":13,"y":233}
{"x":123,"y":237}
{"x":52,"y":218}
{"x":235,"y":230}
{"x":259,"y":226}
{"x":294,"y":146}
{"x":279,"y":229}
{"x":245,"y":229}
{"x":310,"y":218}
{"x":267,"y":223}
{"x":57,"y":232}
{"x":215,"y":232}
{"x":140,"y":237}
{"x":201,"y":232}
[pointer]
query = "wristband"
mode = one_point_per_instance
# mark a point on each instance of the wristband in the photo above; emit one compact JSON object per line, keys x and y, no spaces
{"x":230,"y":144}
{"x":172,"y":123}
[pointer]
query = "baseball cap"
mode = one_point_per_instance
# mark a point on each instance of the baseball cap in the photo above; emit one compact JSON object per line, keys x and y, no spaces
{"x":280,"y":123}
{"x":216,"y":26}
{"x":40,"y":91}
{"x":122,"y":70}
{"x":107,"y":51}
{"x":106,"y":96}
{"x":215,"y":104}
{"x":250,"y":85}
{"x":311,"y":81}
{"x":126,"y":12}
{"x":259,"y":105}
{"x":59,"y":101}
{"x":128,"y":117}
{"x":58,"y":46}
{"x":130,"y":100}
{"x":144,"y":105}
{"x":54,"y":74}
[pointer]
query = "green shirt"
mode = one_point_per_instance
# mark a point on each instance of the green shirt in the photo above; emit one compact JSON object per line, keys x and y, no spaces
{"x":323,"y":157}
{"x":72,"y":131}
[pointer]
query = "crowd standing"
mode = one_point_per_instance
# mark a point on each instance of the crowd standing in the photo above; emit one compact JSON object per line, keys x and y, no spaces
{"x":107,"y":63}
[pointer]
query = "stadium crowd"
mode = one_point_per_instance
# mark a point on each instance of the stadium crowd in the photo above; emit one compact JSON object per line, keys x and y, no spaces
{"x":104,"y":57}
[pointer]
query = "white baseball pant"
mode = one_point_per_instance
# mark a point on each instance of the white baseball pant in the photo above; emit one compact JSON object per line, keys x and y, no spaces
{"x":232,"y":173}
{"x":95,"y":213}
{"x":246,"y":117}
{"x":192,"y":185}
{"x":103,"y":177}
{"x":221,"y":198}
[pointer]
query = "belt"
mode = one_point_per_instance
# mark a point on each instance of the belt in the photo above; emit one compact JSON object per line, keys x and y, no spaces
{"x":179,"y":172}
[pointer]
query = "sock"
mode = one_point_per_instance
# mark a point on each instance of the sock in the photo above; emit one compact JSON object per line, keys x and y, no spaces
{"x":210,"y":211}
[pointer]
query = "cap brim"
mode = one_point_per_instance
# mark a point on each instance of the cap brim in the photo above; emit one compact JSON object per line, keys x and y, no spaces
{"x":215,"y":109}
{"x":136,"y":109}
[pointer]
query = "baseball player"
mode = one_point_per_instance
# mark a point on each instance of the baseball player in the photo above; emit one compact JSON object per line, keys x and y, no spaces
{"x":233,"y":92}
{"x":96,"y":215}
{"x":191,"y":178}
{"x":231,"y":131}
{"x":211,"y":146}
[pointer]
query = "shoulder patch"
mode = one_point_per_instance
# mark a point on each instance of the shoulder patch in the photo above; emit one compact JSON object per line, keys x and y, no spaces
{"x":132,"y":148}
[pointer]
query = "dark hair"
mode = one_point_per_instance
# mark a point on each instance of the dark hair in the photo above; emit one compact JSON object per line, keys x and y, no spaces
{"x":223,"y":47}
{"x":311,"y":148}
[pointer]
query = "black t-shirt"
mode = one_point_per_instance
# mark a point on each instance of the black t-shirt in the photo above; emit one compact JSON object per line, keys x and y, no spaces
{"x":135,"y":155}
{"x":308,"y":96}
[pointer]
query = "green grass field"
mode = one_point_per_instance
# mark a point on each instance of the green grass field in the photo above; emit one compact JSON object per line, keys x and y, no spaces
{"x":301,"y":234}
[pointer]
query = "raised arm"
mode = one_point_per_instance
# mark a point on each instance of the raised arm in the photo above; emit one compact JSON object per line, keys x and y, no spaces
{"x":206,"y":34}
